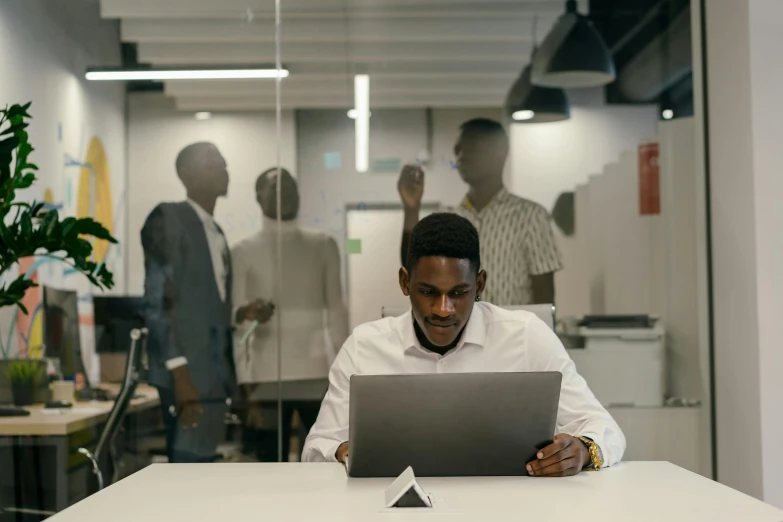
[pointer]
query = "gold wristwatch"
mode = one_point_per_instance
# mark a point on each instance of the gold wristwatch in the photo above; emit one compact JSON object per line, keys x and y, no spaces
{"x":596,"y":456}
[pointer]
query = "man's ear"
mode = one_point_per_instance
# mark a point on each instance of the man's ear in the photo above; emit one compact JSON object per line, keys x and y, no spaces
{"x":481,"y":282}
{"x":405,"y":281}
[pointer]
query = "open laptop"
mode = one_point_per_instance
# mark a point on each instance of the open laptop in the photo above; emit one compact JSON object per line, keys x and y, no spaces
{"x":457,"y":424}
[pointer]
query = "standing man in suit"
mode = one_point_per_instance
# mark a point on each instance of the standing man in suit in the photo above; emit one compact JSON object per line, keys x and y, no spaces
{"x":187,"y":289}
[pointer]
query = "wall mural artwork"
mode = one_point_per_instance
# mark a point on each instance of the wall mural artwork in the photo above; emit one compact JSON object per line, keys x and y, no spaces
{"x":94,"y":193}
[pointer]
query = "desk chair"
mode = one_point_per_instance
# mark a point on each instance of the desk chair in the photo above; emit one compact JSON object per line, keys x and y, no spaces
{"x":102,"y":462}
{"x":545,"y":312}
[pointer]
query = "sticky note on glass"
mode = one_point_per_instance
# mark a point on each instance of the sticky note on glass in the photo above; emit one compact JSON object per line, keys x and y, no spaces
{"x":353,"y":246}
{"x":333,"y":161}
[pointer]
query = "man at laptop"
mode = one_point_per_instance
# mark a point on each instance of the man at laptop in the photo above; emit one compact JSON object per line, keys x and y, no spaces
{"x":449,"y":330}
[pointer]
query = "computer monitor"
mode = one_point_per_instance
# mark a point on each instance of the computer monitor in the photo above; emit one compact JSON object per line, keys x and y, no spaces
{"x":61,"y":332}
{"x":115,"y":317}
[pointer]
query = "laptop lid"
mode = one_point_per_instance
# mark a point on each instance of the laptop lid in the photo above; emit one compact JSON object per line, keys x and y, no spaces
{"x":458,"y":424}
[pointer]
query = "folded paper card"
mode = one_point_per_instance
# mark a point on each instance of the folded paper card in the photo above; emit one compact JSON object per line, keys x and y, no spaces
{"x":406,"y":492}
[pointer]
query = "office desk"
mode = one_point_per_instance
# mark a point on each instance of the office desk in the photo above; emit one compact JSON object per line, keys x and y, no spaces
{"x":44,"y":470}
{"x":82,"y":415}
{"x":635,"y":491}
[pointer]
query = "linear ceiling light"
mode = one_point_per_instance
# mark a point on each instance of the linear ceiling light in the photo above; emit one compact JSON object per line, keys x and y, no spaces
{"x":183,"y":74}
{"x":361,"y":93}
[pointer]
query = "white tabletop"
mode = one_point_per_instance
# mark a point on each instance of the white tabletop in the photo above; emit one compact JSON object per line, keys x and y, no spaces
{"x":638,"y":491}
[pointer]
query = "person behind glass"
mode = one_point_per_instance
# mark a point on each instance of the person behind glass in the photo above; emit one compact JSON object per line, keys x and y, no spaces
{"x":516,"y":235}
{"x":187,"y":289}
{"x":309,"y":306}
{"x":449,"y":330}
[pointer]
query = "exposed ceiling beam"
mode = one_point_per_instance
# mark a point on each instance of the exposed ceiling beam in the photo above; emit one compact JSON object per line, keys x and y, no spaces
{"x":412,"y":70}
{"x":156,"y":53}
{"x":511,"y":29}
{"x":338,"y":85}
{"x":337,"y":102}
{"x":322,"y":9}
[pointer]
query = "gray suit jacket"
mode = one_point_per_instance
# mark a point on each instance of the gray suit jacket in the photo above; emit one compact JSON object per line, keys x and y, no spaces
{"x":183,"y":310}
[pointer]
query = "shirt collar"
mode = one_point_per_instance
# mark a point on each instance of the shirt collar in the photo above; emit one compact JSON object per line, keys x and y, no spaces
{"x":475,"y":332}
{"x":500,"y":197}
{"x":272,"y":225}
{"x":202,"y":214}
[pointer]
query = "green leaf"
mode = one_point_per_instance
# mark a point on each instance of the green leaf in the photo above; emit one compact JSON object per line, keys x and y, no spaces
{"x":24,"y":181}
{"x":69,"y":228}
{"x":8,"y":238}
{"x":23,"y":151}
{"x":89,"y":226}
{"x":26,"y":225}
{"x":19,"y":110}
{"x":36,"y":207}
{"x":9,"y":144}
{"x":15,"y":127}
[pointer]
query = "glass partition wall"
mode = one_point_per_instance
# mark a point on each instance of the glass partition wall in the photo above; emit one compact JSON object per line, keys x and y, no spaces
{"x":265,"y":188}
{"x":583,"y":180}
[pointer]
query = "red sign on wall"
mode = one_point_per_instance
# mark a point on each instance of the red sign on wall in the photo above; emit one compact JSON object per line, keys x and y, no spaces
{"x":649,"y":180}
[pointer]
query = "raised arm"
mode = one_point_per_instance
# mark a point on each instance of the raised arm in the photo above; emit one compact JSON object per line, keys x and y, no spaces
{"x":411,"y":189}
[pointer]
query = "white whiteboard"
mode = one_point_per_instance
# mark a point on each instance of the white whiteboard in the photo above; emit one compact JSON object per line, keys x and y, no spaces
{"x":372,"y":278}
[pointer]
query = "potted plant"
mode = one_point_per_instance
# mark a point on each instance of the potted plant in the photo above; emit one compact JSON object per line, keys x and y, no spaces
{"x":25,"y":375}
{"x":32,"y":229}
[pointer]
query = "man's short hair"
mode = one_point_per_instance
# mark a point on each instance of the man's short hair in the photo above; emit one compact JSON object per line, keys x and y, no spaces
{"x":485,"y":127}
{"x":265,"y":175}
{"x":444,"y":235}
{"x":191,"y":157}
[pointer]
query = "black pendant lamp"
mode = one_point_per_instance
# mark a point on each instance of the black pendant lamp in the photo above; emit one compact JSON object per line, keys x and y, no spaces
{"x":573,"y":54}
{"x":528,"y":103}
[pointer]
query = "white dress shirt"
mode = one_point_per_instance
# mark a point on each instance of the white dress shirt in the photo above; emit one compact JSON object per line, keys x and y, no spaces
{"x":218,"y":252}
{"x":313,"y":319}
{"x":494,"y":340}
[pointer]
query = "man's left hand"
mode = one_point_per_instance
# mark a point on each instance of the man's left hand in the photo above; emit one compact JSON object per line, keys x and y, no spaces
{"x":564,"y":457}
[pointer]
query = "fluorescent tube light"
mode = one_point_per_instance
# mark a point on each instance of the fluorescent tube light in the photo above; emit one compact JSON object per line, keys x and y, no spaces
{"x":352,"y":113}
{"x":184,"y":74}
{"x":361,"y":88}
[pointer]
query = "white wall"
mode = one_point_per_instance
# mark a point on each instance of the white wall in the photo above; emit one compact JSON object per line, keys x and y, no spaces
{"x":46,"y":47}
{"x":547,"y":159}
{"x":156,"y":134}
{"x":744,"y":74}
{"x":550,"y":158}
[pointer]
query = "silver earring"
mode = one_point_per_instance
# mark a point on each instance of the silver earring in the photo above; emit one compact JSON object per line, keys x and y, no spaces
{"x":478,"y":298}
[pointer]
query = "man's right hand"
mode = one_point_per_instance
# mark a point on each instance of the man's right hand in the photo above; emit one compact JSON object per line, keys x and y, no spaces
{"x":342,"y":452}
{"x":258,"y":310}
{"x":186,"y":398}
{"x":411,"y":187}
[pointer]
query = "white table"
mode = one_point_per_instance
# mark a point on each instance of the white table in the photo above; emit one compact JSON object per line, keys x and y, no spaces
{"x":635,"y":491}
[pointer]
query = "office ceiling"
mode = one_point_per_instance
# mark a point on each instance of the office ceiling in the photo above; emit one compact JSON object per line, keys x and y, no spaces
{"x":419,"y":53}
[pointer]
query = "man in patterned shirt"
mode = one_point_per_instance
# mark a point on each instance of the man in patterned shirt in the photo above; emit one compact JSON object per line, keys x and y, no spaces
{"x":517,"y":244}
